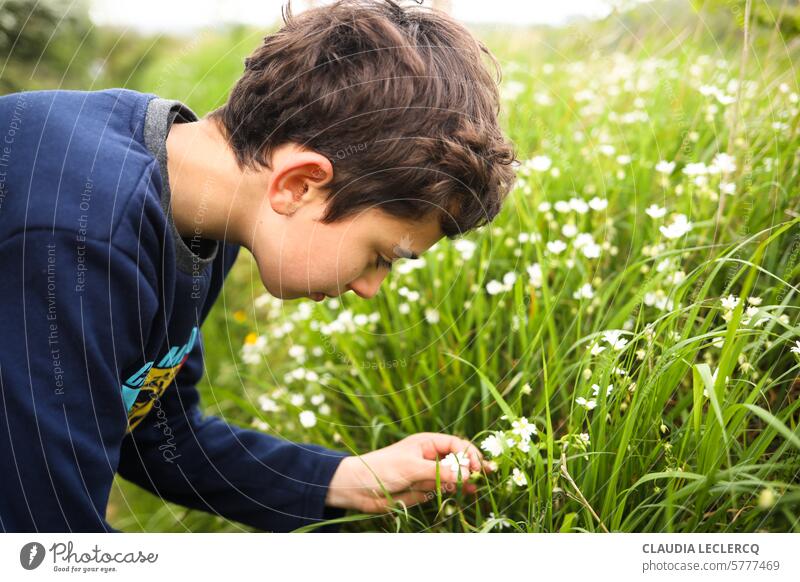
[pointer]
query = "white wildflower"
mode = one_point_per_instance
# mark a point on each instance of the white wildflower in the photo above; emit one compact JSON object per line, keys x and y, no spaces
{"x":569,"y":230}
{"x":253,"y":348}
{"x":695,"y":169}
{"x":680,"y":226}
{"x":556,"y":247}
{"x":730,"y":302}
{"x":495,"y":287}
{"x":465,"y":247}
{"x":539,"y":163}
{"x":607,"y":149}
{"x":665,"y":167}
{"x":562,"y":206}
{"x":656,"y":211}
{"x":584,"y":292}
{"x":522,"y":428}
{"x":596,"y":388}
{"x":578,"y":205}
{"x":493,"y":444}
{"x":308,"y":418}
{"x":723,"y":163}
{"x":614,"y":340}
{"x":267,"y":404}
{"x":457,"y":462}
{"x":535,"y":273}
{"x":596,"y":349}
{"x":502,"y":521}
{"x":598,"y":204}
{"x":519,"y":478}
{"x":591,"y":250}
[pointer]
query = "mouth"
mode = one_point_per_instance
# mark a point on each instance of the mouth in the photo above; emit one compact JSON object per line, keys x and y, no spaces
{"x":318,"y":296}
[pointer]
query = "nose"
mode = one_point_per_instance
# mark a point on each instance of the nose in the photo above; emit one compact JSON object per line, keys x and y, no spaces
{"x":367,"y":287}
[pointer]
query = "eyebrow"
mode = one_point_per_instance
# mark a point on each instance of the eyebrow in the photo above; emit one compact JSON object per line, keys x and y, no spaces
{"x":404,"y":253}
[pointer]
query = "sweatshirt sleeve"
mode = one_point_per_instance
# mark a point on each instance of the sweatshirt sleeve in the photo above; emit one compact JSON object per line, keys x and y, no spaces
{"x":67,"y":330}
{"x":243,"y":475}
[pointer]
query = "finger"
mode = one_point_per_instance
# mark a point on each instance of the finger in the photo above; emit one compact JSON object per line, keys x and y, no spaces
{"x":426,"y":472}
{"x":439,"y":444}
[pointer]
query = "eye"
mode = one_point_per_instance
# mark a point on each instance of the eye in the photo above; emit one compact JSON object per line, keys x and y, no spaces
{"x":381,"y":262}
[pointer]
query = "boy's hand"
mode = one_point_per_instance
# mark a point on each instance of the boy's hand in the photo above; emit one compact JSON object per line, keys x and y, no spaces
{"x":407,"y":470}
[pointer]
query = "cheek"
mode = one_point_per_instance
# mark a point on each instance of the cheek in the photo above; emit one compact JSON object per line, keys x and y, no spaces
{"x":311,"y":256}
{"x":334,"y":254}
{"x":332,"y":266}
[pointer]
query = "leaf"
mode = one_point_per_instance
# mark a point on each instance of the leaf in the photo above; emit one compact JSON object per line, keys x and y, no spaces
{"x":773,"y":422}
{"x":705,"y":373}
{"x":566,"y":525}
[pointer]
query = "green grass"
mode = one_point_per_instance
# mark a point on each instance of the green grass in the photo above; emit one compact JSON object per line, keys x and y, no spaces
{"x":673,"y":447}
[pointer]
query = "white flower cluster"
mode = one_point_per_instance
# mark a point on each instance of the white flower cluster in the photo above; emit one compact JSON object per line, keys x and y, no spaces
{"x":592,"y":404}
{"x":535,"y":273}
{"x":347,"y":322}
{"x":495,"y":287}
{"x":254,"y":347}
{"x":519,"y":437}
{"x":465,"y":247}
{"x":408,"y":265}
{"x":730,"y":303}
{"x":574,"y":204}
{"x":308,"y":418}
{"x":679,"y":226}
{"x":722,"y":97}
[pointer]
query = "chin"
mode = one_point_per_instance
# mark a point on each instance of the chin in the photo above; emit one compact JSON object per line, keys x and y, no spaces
{"x":279,"y":293}
{"x":288,"y":294}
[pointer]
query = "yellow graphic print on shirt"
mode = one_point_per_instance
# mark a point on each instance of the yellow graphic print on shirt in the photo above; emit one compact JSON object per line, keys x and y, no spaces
{"x":147,"y":385}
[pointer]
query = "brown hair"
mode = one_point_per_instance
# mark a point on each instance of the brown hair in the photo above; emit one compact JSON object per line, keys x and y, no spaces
{"x":397,"y":98}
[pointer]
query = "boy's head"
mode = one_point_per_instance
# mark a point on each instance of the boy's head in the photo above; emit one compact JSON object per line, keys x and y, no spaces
{"x":377,"y":125}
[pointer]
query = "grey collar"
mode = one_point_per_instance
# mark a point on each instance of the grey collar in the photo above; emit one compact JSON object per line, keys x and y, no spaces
{"x":160,"y":115}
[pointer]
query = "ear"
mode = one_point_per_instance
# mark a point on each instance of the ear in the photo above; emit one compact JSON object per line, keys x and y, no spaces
{"x":297,"y":178}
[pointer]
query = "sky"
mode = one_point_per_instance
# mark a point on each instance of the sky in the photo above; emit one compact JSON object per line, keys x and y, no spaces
{"x":185,"y":15}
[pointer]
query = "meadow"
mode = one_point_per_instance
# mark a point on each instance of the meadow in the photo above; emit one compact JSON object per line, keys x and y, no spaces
{"x":623,"y":341}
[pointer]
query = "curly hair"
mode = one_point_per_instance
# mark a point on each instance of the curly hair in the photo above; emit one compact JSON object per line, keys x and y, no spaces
{"x":399,"y":99}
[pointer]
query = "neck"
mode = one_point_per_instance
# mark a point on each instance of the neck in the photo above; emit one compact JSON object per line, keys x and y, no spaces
{"x":211,"y":196}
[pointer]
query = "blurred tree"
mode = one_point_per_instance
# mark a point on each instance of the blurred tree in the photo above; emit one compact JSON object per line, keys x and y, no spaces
{"x":51,"y":44}
{"x":41,"y":41}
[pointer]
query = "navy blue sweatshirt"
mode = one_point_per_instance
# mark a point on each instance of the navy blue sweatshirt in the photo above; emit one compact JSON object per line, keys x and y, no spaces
{"x":100,"y":350}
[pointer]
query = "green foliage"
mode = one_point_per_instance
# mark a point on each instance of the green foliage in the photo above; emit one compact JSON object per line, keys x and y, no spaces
{"x":42,"y":40}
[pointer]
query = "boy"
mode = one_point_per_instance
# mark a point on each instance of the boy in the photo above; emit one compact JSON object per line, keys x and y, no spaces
{"x":358,"y":134}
